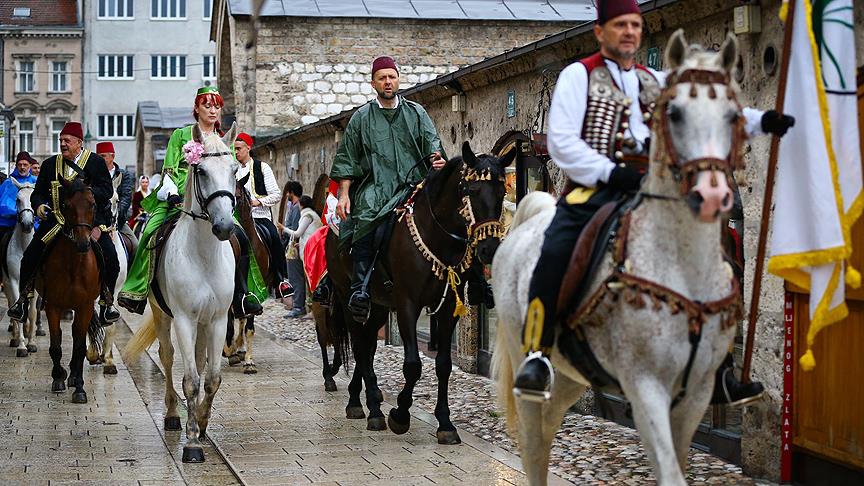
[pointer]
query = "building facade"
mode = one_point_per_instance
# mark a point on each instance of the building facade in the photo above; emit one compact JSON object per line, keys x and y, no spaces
{"x":41,"y":83}
{"x":492,"y":100}
{"x":138,"y":50}
{"x":310,"y":62}
{"x":154,"y":125}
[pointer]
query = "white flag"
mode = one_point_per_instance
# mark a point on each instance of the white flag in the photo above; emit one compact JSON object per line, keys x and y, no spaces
{"x":819,"y":182}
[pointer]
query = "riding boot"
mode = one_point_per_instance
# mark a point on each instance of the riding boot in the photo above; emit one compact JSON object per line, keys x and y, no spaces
{"x":108,"y":314}
{"x":323,"y":291}
{"x":479,"y":290}
{"x":360,"y":300}
{"x":731,"y":392}
{"x":244,"y":304}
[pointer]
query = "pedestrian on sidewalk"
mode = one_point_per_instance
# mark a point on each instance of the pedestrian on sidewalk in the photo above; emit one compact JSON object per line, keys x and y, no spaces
{"x":296,"y":275}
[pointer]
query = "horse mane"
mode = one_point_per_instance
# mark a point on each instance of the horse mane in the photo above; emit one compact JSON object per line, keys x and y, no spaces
{"x":76,"y":186}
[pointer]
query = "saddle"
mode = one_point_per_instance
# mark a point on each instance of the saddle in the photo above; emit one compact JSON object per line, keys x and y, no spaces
{"x":130,"y":246}
{"x":156,"y":245}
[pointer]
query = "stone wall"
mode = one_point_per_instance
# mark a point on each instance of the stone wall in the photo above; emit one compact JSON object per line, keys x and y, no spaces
{"x":485,"y":120}
{"x":306,"y":69}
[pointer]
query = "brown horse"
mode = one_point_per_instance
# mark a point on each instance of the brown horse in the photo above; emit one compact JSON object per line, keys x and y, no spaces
{"x":235,"y":338}
{"x":455,"y":216}
{"x":69,"y":280}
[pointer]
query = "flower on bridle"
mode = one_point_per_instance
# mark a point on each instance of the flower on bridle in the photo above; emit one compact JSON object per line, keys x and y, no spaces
{"x":192,"y":152}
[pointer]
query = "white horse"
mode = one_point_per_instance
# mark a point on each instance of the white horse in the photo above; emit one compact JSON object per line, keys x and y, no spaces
{"x":196,"y":277}
{"x":21,"y":237}
{"x":107,"y":355}
{"x":638,"y":331}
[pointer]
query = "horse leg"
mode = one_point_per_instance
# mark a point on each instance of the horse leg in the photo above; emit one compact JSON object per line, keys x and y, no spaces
{"x":651,"y":402}
{"x":30,"y":328}
{"x":58,"y":374}
{"x":79,"y":349}
{"x":412,"y":367}
{"x":249,"y":367}
{"x":354,"y":409}
{"x":687,"y":415}
{"x":446,"y":433}
{"x":17,"y":340}
{"x":234,"y":356}
{"x":212,"y":379}
{"x":186,"y":331}
{"x":166,"y":355}
{"x":108,"y":351}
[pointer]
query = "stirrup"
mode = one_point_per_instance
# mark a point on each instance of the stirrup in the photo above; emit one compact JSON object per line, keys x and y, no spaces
{"x":536,"y":396}
{"x":740,"y":402}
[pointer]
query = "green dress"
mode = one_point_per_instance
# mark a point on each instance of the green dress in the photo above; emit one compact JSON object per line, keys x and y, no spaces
{"x":137,"y":285}
{"x":378,"y":153}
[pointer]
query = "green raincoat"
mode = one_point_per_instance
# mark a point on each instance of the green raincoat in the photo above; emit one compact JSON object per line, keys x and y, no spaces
{"x":137,"y":284}
{"x":378,"y":151}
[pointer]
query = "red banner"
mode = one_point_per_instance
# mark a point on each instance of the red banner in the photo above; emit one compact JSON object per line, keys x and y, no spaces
{"x":788,"y":384}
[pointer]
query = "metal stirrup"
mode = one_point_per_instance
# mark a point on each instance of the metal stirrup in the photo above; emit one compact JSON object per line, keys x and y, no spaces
{"x":536,"y":396}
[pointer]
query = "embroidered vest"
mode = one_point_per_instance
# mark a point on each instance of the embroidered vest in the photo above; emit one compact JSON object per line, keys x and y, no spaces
{"x":608,"y":112}
{"x":258,"y":187}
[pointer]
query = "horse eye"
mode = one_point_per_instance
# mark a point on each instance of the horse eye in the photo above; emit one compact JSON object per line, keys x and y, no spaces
{"x":675,"y":114}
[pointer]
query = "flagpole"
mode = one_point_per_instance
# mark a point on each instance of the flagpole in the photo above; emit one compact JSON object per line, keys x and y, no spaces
{"x":768,"y":200}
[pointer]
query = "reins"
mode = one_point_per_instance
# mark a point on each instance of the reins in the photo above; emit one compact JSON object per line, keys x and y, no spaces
{"x":203,"y":201}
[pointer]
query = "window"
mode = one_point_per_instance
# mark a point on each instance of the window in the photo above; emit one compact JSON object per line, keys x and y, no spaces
{"x":167,"y":67}
{"x":208,"y":9}
{"x":21,"y":12}
{"x":59,"y":76}
{"x":116,"y":126}
{"x":25,"y":135}
{"x":116,"y":9}
{"x":26,"y":77}
{"x":57,"y":125}
{"x":168,"y":9}
{"x":116,"y":67}
{"x":209,"y":68}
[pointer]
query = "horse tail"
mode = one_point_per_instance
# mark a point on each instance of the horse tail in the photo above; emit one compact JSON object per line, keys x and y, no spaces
{"x":97,"y":334}
{"x":502,"y":371}
{"x":532,"y":204}
{"x":142,"y":339}
{"x":340,"y":335}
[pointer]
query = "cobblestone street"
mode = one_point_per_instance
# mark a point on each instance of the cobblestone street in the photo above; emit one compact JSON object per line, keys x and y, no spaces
{"x":280,"y":427}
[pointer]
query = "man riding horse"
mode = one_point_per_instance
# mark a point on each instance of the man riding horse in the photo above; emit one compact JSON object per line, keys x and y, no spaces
{"x":163,"y":204}
{"x":125,"y":187}
{"x":599,"y":135}
{"x":9,"y":191}
{"x":72,"y":161}
{"x":376,"y":166}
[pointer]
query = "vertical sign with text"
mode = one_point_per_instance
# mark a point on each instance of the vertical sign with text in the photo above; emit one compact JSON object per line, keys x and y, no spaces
{"x":788,"y":386}
{"x":511,"y":103}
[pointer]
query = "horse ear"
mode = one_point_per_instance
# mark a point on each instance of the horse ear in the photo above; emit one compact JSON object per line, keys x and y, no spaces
{"x":468,"y":155}
{"x":675,"y":50}
{"x":728,"y":53}
{"x":508,"y":158}
{"x":231,"y":135}
{"x":15,"y":181}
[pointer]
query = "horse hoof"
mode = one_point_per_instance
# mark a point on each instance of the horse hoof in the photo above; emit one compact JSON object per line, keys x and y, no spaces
{"x":21,"y":353}
{"x":79,"y":397}
{"x":193,"y":454}
{"x":395,"y":426}
{"x":202,"y":435}
{"x":109,"y":370}
{"x":57,"y":386}
{"x":249,"y":369}
{"x":376,"y":423}
{"x":173,"y":423}
{"x":13,"y":343}
{"x":31,"y":348}
{"x":354,"y":412}
{"x":448,"y":437}
{"x":330,"y":385}
{"x":40,"y":332}
{"x":234,"y":360}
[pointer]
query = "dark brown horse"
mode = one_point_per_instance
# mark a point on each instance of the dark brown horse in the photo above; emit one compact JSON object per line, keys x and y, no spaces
{"x":69,"y":280}
{"x":453,"y":218}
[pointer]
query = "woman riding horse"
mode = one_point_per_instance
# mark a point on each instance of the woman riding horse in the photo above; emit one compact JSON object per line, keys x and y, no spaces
{"x":162,"y":205}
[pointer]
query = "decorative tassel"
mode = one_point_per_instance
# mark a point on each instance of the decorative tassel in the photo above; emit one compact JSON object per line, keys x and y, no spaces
{"x":808,"y":362}
{"x":853,"y":277}
{"x":454,"y":281}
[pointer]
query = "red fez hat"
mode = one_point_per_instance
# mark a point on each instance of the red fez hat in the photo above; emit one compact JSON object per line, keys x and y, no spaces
{"x":246,"y":138}
{"x":609,"y":9}
{"x":384,"y":62}
{"x":74,"y":129}
{"x":105,"y":148}
{"x":24,"y":155}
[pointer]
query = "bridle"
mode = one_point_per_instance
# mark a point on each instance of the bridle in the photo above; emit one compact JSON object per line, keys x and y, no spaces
{"x":202,"y":200}
{"x":69,"y":229}
{"x":684,"y":171}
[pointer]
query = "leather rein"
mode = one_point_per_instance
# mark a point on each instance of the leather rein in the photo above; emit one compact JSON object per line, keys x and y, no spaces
{"x":203,"y":201}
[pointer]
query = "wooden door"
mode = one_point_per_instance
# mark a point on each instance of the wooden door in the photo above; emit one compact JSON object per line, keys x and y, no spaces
{"x":829,"y":401}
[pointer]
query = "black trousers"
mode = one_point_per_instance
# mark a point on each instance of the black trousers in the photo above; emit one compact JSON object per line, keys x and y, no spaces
{"x":559,"y":240}
{"x":241,"y":271}
{"x":278,"y":263}
{"x":31,"y":261}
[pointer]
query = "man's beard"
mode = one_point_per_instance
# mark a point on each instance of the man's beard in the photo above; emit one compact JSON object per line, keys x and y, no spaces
{"x":619,"y":54}
{"x":383,"y":95}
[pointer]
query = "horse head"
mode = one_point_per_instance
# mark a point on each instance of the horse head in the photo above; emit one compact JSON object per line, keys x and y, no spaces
{"x":22,"y":205}
{"x":78,"y":211}
{"x":212,"y":182}
{"x":483,"y":194}
{"x":698,"y":128}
